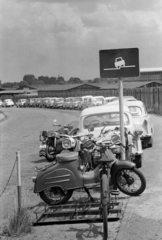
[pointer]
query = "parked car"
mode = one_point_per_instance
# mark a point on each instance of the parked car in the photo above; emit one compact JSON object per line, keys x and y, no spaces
{"x":76,"y":103}
{"x":71,"y":103}
{"x":36,"y":102}
{"x":31,"y":102}
{"x":8,"y":103}
{"x":142,"y":120}
{"x":43,"y":102}
{"x":66,"y":102}
{"x":109,"y":116}
{"x":59,"y":103}
{"x":109,"y":99}
{"x":20,"y":103}
{"x":126,"y":98}
{"x":98,"y":100}
{"x":50,"y":102}
{"x":86,"y":101}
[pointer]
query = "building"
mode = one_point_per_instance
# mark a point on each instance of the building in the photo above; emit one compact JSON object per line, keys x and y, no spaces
{"x":148,"y":74}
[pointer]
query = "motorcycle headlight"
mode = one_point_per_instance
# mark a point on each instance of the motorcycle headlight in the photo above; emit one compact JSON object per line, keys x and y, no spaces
{"x":68,"y":143}
{"x":115,"y":138}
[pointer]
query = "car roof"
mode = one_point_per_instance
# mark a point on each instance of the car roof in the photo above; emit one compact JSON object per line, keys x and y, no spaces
{"x":110,"y":97}
{"x":88,"y":96}
{"x":134,"y":103}
{"x":98,"y":97}
{"x":103,"y":109}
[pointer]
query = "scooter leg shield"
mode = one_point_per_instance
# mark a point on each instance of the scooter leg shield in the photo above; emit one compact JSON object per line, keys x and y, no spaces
{"x":121,"y":164}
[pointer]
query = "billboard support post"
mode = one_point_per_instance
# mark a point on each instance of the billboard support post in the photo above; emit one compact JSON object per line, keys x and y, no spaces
{"x":121,"y":118}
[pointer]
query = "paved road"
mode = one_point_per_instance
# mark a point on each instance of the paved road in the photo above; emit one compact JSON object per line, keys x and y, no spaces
{"x":143,"y":217}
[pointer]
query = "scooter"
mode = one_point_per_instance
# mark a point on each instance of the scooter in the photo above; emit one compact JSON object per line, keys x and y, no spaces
{"x":51,"y":141}
{"x":56,"y":182}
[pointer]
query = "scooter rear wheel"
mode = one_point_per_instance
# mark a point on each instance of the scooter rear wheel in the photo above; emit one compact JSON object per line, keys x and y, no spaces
{"x":54,"y":196}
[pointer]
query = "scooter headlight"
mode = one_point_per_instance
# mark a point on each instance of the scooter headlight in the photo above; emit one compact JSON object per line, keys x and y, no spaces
{"x":68,"y":143}
{"x":115,"y":138}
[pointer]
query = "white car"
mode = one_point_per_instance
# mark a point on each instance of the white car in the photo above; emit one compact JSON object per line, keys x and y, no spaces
{"x":119,"y":62}
{"x":142,"y":120}
{"x":109,"y":99}
{"x":8,"y":103}
{"x":109,"y":116}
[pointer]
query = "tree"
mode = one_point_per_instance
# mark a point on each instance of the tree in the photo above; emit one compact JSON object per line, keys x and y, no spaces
{"x":74,"y":80}
{"x":22,"y":83}
{"x":60,"y":80}
{"x":29,"y":79}
{"x":97,"y":80}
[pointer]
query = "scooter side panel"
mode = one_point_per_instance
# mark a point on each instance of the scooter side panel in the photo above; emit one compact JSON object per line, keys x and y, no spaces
{"x":121,"y":164}
{"x":65,"y":175}
{"x":91,"y":177}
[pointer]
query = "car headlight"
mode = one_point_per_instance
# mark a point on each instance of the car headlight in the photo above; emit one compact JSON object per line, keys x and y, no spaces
{"x":68,"y":143}
{"x":115,"y":138}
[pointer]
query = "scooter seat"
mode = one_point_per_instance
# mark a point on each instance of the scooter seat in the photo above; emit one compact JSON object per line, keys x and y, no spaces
{"x":67,"y":156}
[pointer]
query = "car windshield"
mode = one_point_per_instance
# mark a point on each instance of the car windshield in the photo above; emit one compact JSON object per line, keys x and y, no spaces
{"x":78,"y":99}
{"x":59,"y":100}
{"x":135,"y":111}
{"x":98,"y":99}
{"x":102,"y":119}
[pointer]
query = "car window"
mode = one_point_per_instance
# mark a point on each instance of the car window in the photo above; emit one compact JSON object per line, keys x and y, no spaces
{"x":100,"y":120}
{"x":135,"y":111}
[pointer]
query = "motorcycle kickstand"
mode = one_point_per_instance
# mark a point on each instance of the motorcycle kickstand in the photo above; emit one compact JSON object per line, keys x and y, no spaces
{"x":89,"y":195}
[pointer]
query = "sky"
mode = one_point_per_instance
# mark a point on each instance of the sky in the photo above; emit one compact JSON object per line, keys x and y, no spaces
{"x":63,"y":38}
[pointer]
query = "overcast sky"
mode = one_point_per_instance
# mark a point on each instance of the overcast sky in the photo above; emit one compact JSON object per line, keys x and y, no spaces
{"x":61,"y":37}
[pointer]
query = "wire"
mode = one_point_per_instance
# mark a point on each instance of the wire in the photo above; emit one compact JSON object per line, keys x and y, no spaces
{"x":8,"y":179}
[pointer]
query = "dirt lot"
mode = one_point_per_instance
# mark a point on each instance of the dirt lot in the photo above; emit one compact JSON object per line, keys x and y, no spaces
{"x":20,"y":131}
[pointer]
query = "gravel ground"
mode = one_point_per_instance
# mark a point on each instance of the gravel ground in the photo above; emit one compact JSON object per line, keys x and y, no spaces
{"x":20,"y":132}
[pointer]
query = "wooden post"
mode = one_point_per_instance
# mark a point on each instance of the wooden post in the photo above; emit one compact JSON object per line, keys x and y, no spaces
{"x":121,"y":118}
{"x":18,"y":179}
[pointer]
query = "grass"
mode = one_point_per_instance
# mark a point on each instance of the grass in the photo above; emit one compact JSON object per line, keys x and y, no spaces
{"x":20,"y":223}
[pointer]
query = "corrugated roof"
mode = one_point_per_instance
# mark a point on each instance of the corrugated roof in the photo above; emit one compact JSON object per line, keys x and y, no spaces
{"x":138,"y":84}
{"x":100,"y":86}
{"x":64,"y":87}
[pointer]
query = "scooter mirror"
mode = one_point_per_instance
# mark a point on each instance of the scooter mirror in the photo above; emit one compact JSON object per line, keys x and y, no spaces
{"x":54,"y":122}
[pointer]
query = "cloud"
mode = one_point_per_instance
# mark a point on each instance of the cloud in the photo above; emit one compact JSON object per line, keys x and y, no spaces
{"x":51,"y":37}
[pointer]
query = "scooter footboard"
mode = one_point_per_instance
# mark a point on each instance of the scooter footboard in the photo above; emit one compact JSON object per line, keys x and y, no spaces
{"x":118,"y":165}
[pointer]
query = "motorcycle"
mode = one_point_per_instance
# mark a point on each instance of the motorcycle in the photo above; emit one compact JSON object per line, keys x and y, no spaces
{"x":56,"y":182}
{"x":51,"y":141}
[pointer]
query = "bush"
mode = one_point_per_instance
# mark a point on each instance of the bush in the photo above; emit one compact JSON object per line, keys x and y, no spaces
{"x":19,"y":223}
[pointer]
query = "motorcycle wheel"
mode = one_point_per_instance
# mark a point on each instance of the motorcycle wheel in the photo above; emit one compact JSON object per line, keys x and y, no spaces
{"x":54,"y":196}
{"x":130,"y":181}
{"x":50,"y":157}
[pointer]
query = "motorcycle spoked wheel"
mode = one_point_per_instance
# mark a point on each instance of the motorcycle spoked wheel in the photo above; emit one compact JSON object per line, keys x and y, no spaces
{"x":54,"y":196}
{"x":130,"y":181}
{"x":50,"y":155}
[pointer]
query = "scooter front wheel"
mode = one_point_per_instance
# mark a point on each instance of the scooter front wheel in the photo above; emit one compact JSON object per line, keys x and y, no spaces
{"x":130,"y":181}
{"x":54,"y":196}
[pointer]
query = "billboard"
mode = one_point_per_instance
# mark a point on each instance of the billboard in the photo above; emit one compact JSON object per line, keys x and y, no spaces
{"x":119,"y":63}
